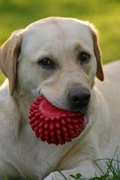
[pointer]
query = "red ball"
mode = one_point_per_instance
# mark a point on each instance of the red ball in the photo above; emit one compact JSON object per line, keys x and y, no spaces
{"x":56,"y":126}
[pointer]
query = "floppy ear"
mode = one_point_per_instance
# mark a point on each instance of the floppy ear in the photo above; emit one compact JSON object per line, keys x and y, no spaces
{"x":99,"y":72}
{"x":8,"y":58}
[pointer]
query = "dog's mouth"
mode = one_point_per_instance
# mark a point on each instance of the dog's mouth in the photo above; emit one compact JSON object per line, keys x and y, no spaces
{"x":54,"y":125}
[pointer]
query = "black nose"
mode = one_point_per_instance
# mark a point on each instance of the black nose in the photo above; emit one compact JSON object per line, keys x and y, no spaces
{"x":78,"y":97}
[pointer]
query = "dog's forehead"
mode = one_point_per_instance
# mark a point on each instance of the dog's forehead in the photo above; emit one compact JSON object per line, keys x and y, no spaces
{"x":53,"y":27}
{"x":57,"y":31}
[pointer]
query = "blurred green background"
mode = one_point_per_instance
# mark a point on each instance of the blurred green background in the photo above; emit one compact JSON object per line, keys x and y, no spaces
{"x":105,"y":14}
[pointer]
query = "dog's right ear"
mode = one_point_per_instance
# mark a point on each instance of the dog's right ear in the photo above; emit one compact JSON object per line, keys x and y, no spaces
{"x":8,"y":58}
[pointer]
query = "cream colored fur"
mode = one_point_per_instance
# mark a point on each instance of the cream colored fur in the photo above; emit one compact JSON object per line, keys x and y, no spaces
{"x":61,"y":40}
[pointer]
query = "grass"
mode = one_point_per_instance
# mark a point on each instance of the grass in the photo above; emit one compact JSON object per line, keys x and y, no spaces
{"x":112,"y":172}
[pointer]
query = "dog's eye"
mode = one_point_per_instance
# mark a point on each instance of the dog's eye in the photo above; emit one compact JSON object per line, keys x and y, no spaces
{"x":84,"y":57}
{"x":46,"y":63}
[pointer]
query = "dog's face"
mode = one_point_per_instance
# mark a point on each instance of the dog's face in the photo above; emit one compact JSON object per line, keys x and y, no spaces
{"x":58,"y":58}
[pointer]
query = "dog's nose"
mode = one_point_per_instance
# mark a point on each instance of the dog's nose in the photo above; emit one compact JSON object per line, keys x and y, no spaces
{"x":79,"y":97}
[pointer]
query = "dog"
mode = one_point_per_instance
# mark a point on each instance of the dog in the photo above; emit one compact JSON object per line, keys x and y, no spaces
{"x":60,"y":59}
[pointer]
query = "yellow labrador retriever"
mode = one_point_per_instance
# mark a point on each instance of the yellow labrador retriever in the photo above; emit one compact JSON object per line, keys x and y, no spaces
{"x":58,"y":58}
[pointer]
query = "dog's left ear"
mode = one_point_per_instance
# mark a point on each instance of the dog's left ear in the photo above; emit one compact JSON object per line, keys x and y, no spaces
{"x":99,"y":72}
{"x":8,"y":58}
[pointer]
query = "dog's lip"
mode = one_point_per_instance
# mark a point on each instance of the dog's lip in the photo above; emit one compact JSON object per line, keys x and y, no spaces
{"x":86,"y":120}
{"x":86,"y":117}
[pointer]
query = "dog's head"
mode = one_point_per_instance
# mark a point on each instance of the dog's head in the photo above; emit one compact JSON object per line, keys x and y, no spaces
{"x":56,"y":57}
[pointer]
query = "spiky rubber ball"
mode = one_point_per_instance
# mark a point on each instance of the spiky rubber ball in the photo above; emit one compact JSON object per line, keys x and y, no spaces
{"x":56,"y":126}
